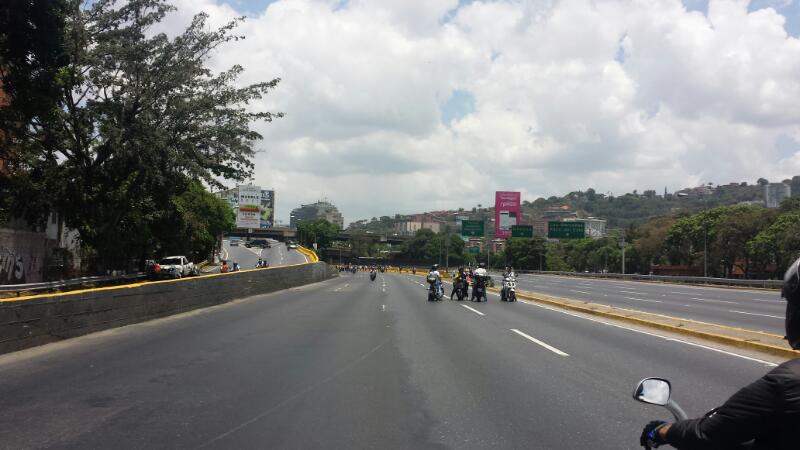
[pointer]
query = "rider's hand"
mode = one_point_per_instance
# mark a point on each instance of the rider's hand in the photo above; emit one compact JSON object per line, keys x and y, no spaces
{"x":650,"y":437}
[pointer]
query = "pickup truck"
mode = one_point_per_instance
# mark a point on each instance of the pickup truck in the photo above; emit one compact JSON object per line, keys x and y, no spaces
{"x":176,"y":267}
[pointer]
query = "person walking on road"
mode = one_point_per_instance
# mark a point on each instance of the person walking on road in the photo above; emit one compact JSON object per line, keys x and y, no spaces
{"x":763,"y":415}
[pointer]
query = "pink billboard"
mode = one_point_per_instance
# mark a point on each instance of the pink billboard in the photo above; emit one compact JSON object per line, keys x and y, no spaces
{"x":506,"y":213}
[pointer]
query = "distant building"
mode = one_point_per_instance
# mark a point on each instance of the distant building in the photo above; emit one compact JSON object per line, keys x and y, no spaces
{"x":539,"y":228}
{"x":594,"y":228}
{"x":774,"y":193}
{"x":318,"y":210}
{"x":559,"y":213}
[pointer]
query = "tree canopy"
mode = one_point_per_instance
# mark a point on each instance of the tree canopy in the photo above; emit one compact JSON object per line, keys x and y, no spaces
{"x":136,"y":118}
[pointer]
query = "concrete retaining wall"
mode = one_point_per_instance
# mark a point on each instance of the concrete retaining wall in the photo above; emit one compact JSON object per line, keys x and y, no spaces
{"x":35,"y":321}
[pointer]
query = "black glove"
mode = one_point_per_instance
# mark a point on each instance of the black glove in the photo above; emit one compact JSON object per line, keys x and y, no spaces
{"x":650,"y":437}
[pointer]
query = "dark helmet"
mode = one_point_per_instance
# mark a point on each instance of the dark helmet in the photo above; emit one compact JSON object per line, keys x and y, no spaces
{"x":791,"y":292}
{"x":460,"y":269}
{"x":434,"y":267}
{"x":482,"y":265}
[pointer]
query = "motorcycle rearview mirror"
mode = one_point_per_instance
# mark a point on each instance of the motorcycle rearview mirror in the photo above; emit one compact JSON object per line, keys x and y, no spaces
{"x":655,"y":391}
{"x":658,"y":391}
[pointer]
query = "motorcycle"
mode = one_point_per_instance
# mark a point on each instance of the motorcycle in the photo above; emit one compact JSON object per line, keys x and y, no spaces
{"x":509,"y":291}
{"x":479,"y":289}
{"x":460,"y":287}
{"x":435,"y":288}
{"x":372,"y":275}
{"x":658,"y":391}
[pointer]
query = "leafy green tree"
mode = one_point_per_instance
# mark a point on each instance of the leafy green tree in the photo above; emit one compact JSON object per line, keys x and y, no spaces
{"x":734,"y":230}
{"x":320,"y":231}
{"x":525,"y":253}
{"x":790,"y":204}
{"x":650,"y":243}
{"x":198,"y":220}
{"x":138,"y":115}
{"x":31,"y":56}
{"x":777,"y":244}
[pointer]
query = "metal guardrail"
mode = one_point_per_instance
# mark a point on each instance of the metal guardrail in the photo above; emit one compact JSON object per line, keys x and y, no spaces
{"x":21,"y":289}
{"x":769,"y":284}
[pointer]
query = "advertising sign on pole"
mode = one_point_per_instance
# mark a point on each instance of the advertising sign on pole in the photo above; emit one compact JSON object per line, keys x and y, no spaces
{"x":267,"y":216}
{"x":472,"y":228}
{"x":566,"y":230}
{"x":248,"y":215}
{"x":506,"y":213}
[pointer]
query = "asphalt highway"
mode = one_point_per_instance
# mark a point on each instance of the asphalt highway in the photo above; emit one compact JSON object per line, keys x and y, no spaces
{"x":350,"y":363}
{"x":760,"y":310}
{"x":277,"y":255}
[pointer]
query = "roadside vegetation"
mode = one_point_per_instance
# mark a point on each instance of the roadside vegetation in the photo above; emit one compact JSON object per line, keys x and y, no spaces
{"x":121,"y":130}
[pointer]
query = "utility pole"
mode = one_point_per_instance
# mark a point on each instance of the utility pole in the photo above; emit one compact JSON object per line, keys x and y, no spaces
{"x":705,"y":237}
{"x":447,"y":248}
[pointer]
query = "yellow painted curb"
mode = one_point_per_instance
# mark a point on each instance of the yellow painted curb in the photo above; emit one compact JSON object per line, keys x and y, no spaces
{"x":719,"y":338}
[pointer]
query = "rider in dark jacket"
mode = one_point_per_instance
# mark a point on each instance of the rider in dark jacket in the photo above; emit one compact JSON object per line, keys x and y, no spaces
{"x":763,"y":415}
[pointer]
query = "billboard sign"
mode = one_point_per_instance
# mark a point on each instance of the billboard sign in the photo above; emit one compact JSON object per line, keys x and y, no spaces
{"x":267,"y":210}
{"x":566,"y":230}
{"x":523,"y":231}
{"x":472,"y":228}
{"x":248,"y":215}
{"x":506,"y":213}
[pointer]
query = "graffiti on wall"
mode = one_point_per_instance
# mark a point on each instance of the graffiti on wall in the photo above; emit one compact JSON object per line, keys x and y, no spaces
{"x":21,"y":257}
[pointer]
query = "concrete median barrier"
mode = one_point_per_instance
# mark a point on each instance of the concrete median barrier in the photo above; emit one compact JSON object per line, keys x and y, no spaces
{"x":35,"y":320}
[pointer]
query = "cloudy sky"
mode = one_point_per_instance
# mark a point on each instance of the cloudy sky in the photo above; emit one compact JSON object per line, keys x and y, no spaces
{"x":397,"y":106}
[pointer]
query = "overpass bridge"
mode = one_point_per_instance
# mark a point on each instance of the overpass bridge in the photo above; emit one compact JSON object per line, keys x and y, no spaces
{"x":285,"y":233}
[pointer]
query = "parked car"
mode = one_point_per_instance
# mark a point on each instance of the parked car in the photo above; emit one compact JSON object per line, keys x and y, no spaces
{"x":177,"y":267}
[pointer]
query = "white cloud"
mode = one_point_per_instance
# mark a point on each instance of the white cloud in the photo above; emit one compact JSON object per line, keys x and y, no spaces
{"x":617,"y":95}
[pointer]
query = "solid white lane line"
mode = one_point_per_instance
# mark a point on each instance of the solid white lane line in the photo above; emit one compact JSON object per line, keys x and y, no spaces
{"x":712,"y":300}
{"x":536,"y":341}
{"x":474,"y":310}
{"x":642,"y":300}
{"x":756,"y":314}
{"x":652,"y":334}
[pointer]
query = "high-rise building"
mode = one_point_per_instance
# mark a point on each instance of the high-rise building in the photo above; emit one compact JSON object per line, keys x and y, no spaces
{"x":318,"y":210}
{"x":774,"y":193}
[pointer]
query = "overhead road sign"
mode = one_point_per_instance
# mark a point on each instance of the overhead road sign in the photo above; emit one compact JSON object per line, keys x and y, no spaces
{"x":472,"y":228}
{"x":523,"y":231}
{"x":566,"y":230}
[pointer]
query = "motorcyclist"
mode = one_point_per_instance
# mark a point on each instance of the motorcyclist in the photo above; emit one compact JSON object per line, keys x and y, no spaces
{"x":224,"y":268}
{"x":479,"y":277}
{"x":435,"y":273}
{"x":763,"y":415}
{"x":260,"y":262}
{"x":507,"y":273}
{"x":461,"y":277}
{"x":235,"y":267}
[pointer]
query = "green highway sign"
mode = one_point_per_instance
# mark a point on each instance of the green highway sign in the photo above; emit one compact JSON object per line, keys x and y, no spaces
{"x":524,"y":231}
{"x":474,"y":250}
{"x":472,"y":228}
{"x":566,"y":230}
